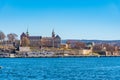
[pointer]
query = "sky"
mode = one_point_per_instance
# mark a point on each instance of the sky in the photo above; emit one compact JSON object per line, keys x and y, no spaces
{"x":70,"y":19}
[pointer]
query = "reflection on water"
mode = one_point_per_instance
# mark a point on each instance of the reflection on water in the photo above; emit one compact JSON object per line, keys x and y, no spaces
{"x":90,"y":68}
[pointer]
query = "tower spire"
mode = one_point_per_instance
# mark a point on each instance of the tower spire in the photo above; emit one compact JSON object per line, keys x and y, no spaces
{"x":53,"y":33}
{"x":27,"y":33}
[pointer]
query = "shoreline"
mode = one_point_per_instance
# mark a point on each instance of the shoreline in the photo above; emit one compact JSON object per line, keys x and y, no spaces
{"x":61,"y":56}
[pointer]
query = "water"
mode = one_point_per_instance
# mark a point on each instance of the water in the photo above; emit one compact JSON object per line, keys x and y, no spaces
{"x":86,"y":68}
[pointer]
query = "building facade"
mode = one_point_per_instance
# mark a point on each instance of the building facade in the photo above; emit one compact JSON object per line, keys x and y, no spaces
{"x":39,"y":41}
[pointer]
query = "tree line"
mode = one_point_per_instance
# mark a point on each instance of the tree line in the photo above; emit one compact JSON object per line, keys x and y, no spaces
{"x":10,"y":38}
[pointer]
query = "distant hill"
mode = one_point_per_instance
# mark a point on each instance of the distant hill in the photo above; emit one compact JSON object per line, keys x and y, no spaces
{"x":112,"y":42}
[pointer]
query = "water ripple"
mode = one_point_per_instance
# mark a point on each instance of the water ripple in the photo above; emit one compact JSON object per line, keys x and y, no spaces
{"x":60,"y":69}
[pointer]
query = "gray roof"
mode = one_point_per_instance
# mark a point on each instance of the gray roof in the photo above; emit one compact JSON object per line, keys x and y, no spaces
{"x":57,"y":36}
{"x":35,"y":37}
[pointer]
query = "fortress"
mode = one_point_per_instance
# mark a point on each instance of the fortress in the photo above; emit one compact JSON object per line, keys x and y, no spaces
{"x":39,"y":41}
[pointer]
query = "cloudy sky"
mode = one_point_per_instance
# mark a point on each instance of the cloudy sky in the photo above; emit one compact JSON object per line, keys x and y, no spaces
{"x":71,"y":19}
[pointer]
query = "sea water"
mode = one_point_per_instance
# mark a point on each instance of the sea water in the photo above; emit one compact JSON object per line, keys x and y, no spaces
{"x":82,"y":68}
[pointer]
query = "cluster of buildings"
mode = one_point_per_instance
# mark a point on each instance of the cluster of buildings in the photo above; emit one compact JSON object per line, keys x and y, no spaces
{"x":37,"y":46}
{"x":83,"y":48}
{"x":69,"y":47}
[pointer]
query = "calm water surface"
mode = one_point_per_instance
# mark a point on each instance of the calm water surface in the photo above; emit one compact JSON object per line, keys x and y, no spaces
{"x":88,"y":68}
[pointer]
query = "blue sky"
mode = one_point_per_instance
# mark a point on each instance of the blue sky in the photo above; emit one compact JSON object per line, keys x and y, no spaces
{"x":71,"y":19}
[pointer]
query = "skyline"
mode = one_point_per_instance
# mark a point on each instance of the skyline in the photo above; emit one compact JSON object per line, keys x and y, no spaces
{"x":70,"y":19}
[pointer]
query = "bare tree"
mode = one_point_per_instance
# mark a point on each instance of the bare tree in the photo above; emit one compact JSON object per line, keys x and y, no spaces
{"x":25,"y":41}
{"x":2,"y":36}
{"x":12,"y":37}
{"x":97,"y":48}
{"x":79,"y":45}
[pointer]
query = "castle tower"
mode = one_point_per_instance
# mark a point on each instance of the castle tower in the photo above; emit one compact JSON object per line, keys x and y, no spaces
{"x":53,"y":36}
{"x":27,"y":33}
{"x":53,"y":33}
